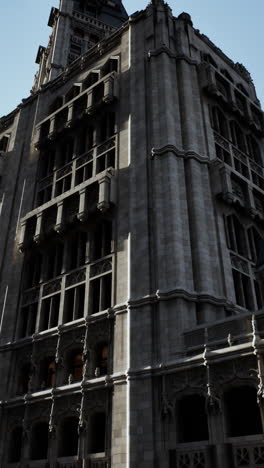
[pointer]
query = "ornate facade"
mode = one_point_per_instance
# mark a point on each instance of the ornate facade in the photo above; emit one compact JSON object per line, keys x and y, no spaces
{"x":131,"y":250}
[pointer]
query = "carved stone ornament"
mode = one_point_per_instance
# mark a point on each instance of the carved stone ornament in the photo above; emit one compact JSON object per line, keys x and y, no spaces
{"x":243,"y":71}
{"x":213,"y":402}
{"x":167,"y":406}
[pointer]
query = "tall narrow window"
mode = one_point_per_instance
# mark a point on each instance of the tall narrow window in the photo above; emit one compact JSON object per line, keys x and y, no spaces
{"x":77,"y":367}
{"x":102,"y":359}
{"x":98,"y":93}
{"x":65,"y":152}
{"x":254,"y":150}
{"x":85,"y":140}
{"x":48,"y":373}
{"x":4,"y":143}
{"x":75,"y":90}
{"x":222,"y":86}
{"x":50,"y":312}
{"x":192,"y":419}
{"x":236,"y":236}
{"x":15,"y":445}
{"x":219,"y":122}
{"x":98,"y":433}
{"x":46,"y":163}
{"x":238,"y":137}
{"x":242,"y":412}
{"x":54,"y":260}
{"x":24,"y":376}
{"x":256,"y":244}
{"x":242,"y":88}
{"x":240,"y":101}
{"x":77,"y":249}
{"x":39,"y":441}
{"x":68,"y":443}
{"x":243,"y":290}
{"x":101,"y":293}
{"x":74,"y":303}
{"x":33,"y":269}
{"x":28,"y":317}
{"x":91,"y":79}
{"x":102,"y":239}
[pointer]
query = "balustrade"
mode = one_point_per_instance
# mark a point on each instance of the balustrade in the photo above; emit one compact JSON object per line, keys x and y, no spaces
{"x":218,"y":335}
{"x":100,"y":192}
{"x":80,"y":169}
{"x":190,"y":457}
{"x":241,"y":162}
{"x":248,"y":455}
{"x":98,"y":461}
{"x":71,"y":462}
{"x":103,"y":91}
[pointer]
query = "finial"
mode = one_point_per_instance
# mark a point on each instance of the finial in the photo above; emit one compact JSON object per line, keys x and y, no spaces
{"x":186,"y":18}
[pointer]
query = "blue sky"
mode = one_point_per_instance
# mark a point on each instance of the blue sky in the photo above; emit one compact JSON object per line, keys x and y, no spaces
{"x":236,"y":26}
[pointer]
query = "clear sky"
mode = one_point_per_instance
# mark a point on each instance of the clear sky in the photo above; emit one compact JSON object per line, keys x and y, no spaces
{"x":236,"y":26}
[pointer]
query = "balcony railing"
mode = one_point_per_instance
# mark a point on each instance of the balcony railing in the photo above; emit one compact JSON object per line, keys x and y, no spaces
{"x":248,"y":455}
{"x":189,"y":456}
{"x":38,"y":464}
{"x":240,"y":161}
{"x":94,"y":22}
{"x":69,"y":462}
{"x":80,"y":169}
{"x":223,"y":333}
{"x":87,"y":102}
{"x":84,"y":199}
{"x":98,"y":461}
{"x":220,"y":87}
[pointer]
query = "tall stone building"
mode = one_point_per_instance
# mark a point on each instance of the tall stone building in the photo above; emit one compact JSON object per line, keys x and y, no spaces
{"x":131,"y":250}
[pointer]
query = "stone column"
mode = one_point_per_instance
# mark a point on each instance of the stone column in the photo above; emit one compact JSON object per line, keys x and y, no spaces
{"x":59,"y":227}
{"x":205,"y":254}
{"x":38,"y":231}
{"x":82,"y":214}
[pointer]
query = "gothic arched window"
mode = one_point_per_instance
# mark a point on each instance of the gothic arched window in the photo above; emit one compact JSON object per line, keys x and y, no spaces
{"x":47,"y":373}
{"x":68,"y":437}
{"x":227,"y":75}
{"x":236,"y":236}
{"x":220,"y":123}
{"x":254,"y":150}
{"x":97,"y":433}
{"x":191,"y":419}
{"x":77,"y":367}
{"x":15,"y":445}
{"x":91,"y":79}
{"x":242,"y":412}
{"x":238,"y":137}
{"x":24,"y":377}
{"x":242,"y":88}
{"x":39,"y":441}
{"x":256,"y":244}
{"x":222,"y":85}
{"x":102,"y":355}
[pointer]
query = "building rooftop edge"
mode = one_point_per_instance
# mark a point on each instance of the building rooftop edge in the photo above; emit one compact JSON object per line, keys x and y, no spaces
{"x":135,"y":17}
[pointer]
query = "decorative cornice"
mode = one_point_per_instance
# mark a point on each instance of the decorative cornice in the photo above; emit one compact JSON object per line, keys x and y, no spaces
{"x":238,"y":67}
{"x":161,"y":152}
{"x":166,"y":50}
{"x":142,"y":301}
{"x":194,"y":297}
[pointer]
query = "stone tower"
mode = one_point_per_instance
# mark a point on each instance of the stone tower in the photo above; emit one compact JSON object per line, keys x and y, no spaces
{"x":131,"y":250}
{"x":77,"y":25}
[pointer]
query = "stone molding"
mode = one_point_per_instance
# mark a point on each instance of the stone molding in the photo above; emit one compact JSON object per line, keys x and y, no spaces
{"x":158,"y":152}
